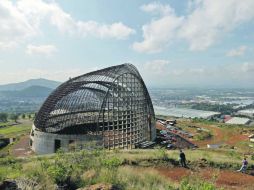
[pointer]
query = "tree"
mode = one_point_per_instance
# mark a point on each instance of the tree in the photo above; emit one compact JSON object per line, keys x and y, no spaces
{"x":3,"y":117}
{"x":23,"y":116}
{"x":14,"y":117}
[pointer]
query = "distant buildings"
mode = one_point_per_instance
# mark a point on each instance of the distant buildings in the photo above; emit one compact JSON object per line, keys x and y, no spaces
{"x":185,"y":112}
{"x":247,"y":112}
{"x":238,"y":121}
{"x":251,"y":137}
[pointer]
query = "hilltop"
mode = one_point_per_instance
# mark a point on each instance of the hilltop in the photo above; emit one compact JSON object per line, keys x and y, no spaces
{"x":25,"y":96}
{"x":31,"y":91}
{"x":31,"y":82}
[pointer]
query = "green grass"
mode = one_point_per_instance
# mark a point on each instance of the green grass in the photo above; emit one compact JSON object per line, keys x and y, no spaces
{"x":15,"y":130}
{"x":6,"y":123}
{"x":127,"y":169}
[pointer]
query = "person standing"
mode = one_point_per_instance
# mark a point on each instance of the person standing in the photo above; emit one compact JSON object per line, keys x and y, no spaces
{"x":182,"y":159}
{"x":244,"y":166}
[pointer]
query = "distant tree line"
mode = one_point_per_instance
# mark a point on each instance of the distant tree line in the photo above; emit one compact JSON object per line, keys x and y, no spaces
{"x":251,"y":106}
{"x":224,"y":109}
{"x":4,"y":117}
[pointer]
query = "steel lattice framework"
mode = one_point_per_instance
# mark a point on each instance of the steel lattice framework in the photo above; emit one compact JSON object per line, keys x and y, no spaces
{"x":113,"y":102}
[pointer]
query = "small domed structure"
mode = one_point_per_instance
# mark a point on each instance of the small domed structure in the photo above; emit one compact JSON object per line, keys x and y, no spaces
{"x":110,"y":106}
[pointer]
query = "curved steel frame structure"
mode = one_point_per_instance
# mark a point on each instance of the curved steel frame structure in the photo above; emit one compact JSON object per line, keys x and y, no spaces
{"x":112,"y":102}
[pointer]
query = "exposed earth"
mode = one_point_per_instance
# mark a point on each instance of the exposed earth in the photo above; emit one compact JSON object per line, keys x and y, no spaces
{"x":231,"y":180}
{"x":21,"y":148}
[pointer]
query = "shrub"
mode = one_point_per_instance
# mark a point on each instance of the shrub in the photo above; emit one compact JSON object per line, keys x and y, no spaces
{"x":162,"y":154}
{"x":112,"y":163}
{"x":196,"y":184}
{"x":59,"y":170}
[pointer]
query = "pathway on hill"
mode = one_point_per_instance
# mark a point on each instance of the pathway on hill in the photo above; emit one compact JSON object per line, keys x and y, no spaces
{"x":21,"y":148}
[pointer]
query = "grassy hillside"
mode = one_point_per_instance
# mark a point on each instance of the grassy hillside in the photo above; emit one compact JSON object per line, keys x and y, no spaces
{"x":157,"y":168}
{"x":134,"y":169}
{"x":15,"y":130}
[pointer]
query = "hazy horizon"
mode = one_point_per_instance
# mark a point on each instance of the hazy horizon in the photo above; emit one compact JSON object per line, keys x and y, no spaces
{"x":154,"y":87}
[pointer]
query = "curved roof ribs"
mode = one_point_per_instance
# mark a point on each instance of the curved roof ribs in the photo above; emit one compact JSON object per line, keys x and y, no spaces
{"x":82,"y":99}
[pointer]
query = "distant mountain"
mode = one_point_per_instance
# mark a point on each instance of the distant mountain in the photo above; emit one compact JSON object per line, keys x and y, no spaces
{"x":29,"y":83}
{"x":30,"y":92}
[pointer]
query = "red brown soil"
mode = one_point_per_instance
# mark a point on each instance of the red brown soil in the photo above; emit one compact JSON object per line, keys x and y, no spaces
{"x":236,"y":138}
{"x":176,"y":174}
{"x":216,"y":139}
{"x":21,"y":148}
{"x":222,"y":178}
{"x":219,"y":137}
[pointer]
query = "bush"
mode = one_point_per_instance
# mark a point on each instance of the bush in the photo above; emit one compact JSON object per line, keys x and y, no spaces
{"x":196,"y":184}
{"x":59,"y":170}
{"x":162,"y":154}
{"x":112,"y":163}
{"x":3,"y":117}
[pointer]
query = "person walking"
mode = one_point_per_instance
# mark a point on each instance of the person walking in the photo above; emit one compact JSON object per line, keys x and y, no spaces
{"x":182,"y":159}
{"x":244,"y":166}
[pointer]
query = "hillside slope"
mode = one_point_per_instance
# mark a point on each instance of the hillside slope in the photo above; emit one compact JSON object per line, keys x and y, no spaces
{"x":32,"y":82}
{"x":32,"y":91}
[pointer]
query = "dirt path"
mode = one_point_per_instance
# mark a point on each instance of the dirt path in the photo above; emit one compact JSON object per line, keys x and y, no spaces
{"x":176,"y":174}
{"x":222,"y":178}
{"x":236,"y":138}
{"x":21,"y":148}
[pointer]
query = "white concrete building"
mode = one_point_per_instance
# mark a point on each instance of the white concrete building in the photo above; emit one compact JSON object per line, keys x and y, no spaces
{"x":247,"y":112}
{"x":238,"y":121}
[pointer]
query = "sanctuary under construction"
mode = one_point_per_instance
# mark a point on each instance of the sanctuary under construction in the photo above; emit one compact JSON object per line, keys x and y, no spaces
{"x":110,"y":107}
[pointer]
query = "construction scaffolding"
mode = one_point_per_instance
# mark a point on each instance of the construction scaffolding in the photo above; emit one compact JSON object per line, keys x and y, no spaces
{"x":112,"y":102}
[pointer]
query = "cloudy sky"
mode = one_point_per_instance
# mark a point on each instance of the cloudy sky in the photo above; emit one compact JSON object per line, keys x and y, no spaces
{"x":194,"y":43}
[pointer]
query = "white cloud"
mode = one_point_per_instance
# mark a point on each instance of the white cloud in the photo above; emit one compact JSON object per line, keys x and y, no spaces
{"x":156,"y":66}
{"x":14,"y":26}
{"x":41,"y":49}
{"x":159,"y":32}
{"x":205,"y":24}
{"x":237,"y":52}
{"x":115,"y":30}
{"x":248,"y":68}
{"x":66,"y":24}
{"x":157,"y":8}
{"x":158,"y":73}
{"x":22,"y":20}
{"x":212,"y":19}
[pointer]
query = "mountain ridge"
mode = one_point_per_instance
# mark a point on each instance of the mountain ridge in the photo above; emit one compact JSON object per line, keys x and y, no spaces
{"x":29,"y":92}
{"x":28,"y":83}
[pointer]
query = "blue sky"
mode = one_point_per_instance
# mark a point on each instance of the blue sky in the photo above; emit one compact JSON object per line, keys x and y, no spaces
{"x":194,"y":43}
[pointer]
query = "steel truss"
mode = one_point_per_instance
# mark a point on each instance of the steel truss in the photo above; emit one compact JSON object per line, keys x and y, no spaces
{"x":113,"y":102}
